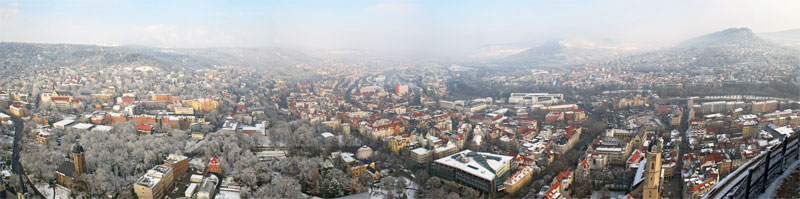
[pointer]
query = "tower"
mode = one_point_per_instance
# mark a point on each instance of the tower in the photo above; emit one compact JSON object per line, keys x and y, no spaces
{"x":653,"y":171}
{"x":78,"y":159}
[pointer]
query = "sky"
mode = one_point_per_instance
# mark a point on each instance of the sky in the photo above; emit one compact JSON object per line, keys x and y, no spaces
{"x":412,"y":28}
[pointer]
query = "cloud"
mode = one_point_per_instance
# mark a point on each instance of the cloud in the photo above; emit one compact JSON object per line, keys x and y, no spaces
{"x":6,"y":14}
{"x":183,"y":36}
{"x":394,"y":9}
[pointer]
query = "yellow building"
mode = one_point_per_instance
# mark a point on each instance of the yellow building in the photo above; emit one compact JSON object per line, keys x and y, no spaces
{"x":18,"y":110}
{"x":397,"y":143}
{"x":203,"y":105}
{"x":184,"y":110}
{"x":154,"y":184}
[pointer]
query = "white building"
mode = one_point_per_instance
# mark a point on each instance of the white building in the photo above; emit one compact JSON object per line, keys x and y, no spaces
{"x":535,"y":98}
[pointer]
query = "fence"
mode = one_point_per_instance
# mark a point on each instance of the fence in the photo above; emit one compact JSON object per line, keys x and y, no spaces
{"x":753,"y":177}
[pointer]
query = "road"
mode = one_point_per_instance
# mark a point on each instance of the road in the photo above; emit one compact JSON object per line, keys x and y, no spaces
{"x":16,"y":166}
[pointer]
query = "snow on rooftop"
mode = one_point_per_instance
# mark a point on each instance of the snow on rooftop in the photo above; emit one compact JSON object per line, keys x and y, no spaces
{"x":640,"y":172}
{"x":62,"y":122}
{"x":609,"y":149}
{"x":518,"y":176}
{"x":471,"y":166}
{"x":420,"y":151}
{"x":327,"y":135}
{"x":190,"y":190}
{"x":83,"y":126}
{"x":785,"y":131}
{"x":102,"y":128}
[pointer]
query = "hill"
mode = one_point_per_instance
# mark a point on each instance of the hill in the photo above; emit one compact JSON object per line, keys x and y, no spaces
{"x":15,"y":56}
{"x":730,"y":48}
{"x":558,"y":53}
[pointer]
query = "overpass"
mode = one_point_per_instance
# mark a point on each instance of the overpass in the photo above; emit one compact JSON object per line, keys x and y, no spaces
{"x":753,"y":177}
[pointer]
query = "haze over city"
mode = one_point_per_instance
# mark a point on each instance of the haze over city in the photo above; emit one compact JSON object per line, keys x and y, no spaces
{"x":369,"y":99}
{"x":412,"y":28}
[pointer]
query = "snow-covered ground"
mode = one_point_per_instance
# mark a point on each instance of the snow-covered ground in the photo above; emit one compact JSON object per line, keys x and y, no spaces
{"x":597,"y":194}
{"x":411,"y":191}
{"x":771,"y":190}
{"x":61,"y":192}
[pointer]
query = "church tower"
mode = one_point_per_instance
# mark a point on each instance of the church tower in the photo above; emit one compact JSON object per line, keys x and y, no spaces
{"x":652,"y":180}
{"x":78,"y":159}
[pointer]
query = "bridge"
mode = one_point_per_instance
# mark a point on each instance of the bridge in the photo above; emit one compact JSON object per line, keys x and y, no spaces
{"x":755,"y":176}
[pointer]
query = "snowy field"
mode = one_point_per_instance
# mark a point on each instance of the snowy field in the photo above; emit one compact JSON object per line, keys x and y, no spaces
{"x":61,"y":192}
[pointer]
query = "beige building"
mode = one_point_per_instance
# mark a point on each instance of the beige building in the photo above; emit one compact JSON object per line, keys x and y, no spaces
{"x":154,"y":184}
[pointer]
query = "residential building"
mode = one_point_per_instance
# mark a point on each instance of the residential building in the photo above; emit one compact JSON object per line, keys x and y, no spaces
{"x":155,"y":184}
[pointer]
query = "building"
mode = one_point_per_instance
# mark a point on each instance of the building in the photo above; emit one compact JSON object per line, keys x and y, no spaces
{"x":518,"y":180}
{"x":364,"y":153}
{"x":401,"y":89}
{"x":178,"y":163}
{"x":155,"y":184}
{"x":4,"y":117}
{"x":535,"y":98}
{"x":208,"y":187}
{"x":18,"y":110}
{"x":67,"y":171}
{"x":184,"y":110}
{"x":421,"y":155}
{"x":474,"y":169}
{"x":213,"y":165}
{"x":203,"y":105}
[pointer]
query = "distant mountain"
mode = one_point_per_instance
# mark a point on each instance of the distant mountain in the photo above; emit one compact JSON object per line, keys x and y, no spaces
{"x":488,"y":52}
{"x":25,"y":55}
{"x":727,"y":37}
{"x":734,"y":47}
{"x":558,"y":53}
{"x":788,"y":37}
{"x":57,"y":55}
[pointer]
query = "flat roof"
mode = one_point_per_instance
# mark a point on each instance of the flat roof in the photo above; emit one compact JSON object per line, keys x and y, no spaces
{"x":62,"y":122}
{"x":83,"y":126}
{"x":420,"y":151}
{"x":466,"y":161}
{"x":102,"y":128}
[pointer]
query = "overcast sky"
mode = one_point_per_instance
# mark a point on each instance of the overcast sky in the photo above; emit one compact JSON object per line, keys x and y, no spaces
{"x":402,"y":27}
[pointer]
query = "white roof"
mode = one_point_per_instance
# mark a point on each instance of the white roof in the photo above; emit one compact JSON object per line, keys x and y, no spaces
{"x":472,"y":166}
{"x":609,"y":149}
{"x":190,"y":190}
{"x":83,"y":126}
{"x":348,"y":157}
{"x":445,"y":148}
{"x":62,"y":122}
{"x":102,"y":128}
{"x":327,"y":135}
{"x":518,"y":176}
{"x":4,"y":115}
{"x":420,"y":151}
{"x":785,"y":131}
{"x":640,"y":172}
